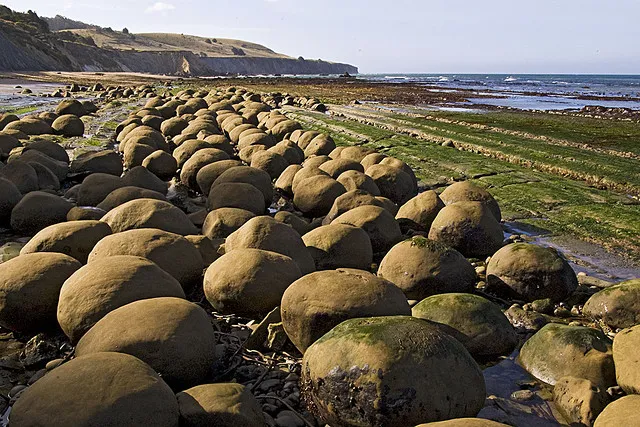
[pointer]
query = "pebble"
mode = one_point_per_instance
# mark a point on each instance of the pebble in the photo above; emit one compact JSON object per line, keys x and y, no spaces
{"x":35,"y":377}
{"x":269,"y":384}
{"x":522,"y":395}
{"x":53,"y":364}
{"x":562,"y":312}
{"x":481,"y":270}
{"x":16,"y":389}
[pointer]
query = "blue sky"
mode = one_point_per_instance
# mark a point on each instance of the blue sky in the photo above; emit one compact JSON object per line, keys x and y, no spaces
{"x":438,"y":36}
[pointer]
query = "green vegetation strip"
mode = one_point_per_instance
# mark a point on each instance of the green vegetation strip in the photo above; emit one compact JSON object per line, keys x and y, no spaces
{"x":558,"y":204}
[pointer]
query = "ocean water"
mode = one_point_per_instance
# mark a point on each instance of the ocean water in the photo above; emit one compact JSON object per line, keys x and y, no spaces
{"x":531,"y":91}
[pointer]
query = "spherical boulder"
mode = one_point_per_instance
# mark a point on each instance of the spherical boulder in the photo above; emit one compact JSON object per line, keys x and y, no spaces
{"x":336,"y":167}
{"x":418,"y":213}
{"x":161,"y":164}
{"x":557,"y":351}
{"x":466,"y":191}
{"x":107,"y":161}
{"x":174,"y":336}
{"x":314,"y":196}
{"x":149,"y":213}
{"x":123,"y":195}
{"x":356,"y":180}
{"x":622,"y":412}
{"x":625,"y":357}
{"x":486,"y":331}
{"x":284,"y":183}
{"x":464,"y":422}
{"x":200,"y":159}
{"x":248,"y":175}
{"x":106,"y":284}
{"x":70,"y":106}
{"x":530,"y":272}
{"x":9,"y":197}
{"x":617,"y":306}
{"x":266,"y":233}
{"x":85,"y":213}
{"x":249,"y":281}
{"x":220,"y":223}
{"x":422,"y":267}
{"x":68,"y":125}
{"x":380,"y":225}
{"x":135,"y":153}
{"x":468,"y":227}
{"x":22,"y":175}
{"x":237,"y":195}
{"x":123,"y":391}
{"x":143,"y":178}
{"x":317,"y":302}
{"x":59,"y":168}
{"x":38,"y":210}
{"x":394,"y":371}
{"x":209,"y":173}
{"x":350,"y":200}
{"x":75,"y":238}
{"x":29,"y":289}
{"x":338,"y":245}
{"x":394,"y":183}
{"x":272,"y":163}
{"x":221,"y":405}
{"x":171,"y":252}
{"x":96,"y":187}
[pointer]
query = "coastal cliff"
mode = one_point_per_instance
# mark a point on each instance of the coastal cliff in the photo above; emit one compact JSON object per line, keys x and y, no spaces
{"x":27,"y":44}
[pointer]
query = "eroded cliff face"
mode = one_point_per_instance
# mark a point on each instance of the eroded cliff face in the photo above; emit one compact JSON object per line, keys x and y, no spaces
{"x":27,"y":51}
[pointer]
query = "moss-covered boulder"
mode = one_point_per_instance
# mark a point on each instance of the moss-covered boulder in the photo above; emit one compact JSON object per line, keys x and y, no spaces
{"x":68,"y":125}
{"x":29,"y":126}
{"x":266,"y":233}
{"x":338,"y":245}
{"x":174,"y":336}
{"x":622,"y":412}
{"x":394,"y":183}
{"x":75,"y":238}
{"x":466,"y":191}
{"x":38,"y":210}
{"x":391,"y":371}
{"x":556,"y":351}
{"x":486,"y":331}
{"x":29,"y":289}
{"x":249,"y":281}
{"x":530,"y":272}
{"x":149,"y":213}
{"x":617,"y":306}
{"x":625,"y":356}
{"x":380,"y":225}
{"x":468,"y":227}
{"x":171,"y":252}
{"x":418,"y":213}
{"x":106,"y":284}
{"x":122,"y":391}
{"x":220,"y":223}
{"x":317,"y":302}
{"x":222,"y":405}
{"x":422,"y":267}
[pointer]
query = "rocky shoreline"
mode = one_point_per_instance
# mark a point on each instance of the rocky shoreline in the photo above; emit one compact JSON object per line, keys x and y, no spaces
{"x":215,"y":261}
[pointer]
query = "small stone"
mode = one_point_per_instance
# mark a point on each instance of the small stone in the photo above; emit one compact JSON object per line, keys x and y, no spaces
{"x":35,"y":377}
{"x":544,"y":306}
{"x":522,"y":395}
{"x":269,"y":384}
{"x":277,"y":337}
{"x":576,"y":310}
{"x":38,"y":350}
{"x":271,"y":409}
{"x":15,"y":390}
{"x":481,"y":270}
{"x":562,"y":312}
{"x":53,"y":364}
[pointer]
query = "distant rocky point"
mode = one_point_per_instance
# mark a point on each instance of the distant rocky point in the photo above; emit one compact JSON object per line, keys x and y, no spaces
{"x":31,"y":43}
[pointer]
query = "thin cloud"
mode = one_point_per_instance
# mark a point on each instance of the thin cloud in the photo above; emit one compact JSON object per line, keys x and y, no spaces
{"x":160,"y":7}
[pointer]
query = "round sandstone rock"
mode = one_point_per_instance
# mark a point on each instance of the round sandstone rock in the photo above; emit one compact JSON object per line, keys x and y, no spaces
{"x":625,"y":357}
{"x":380,"y":225}
{"x":38,"y":210}
{"x":418,"y":213}
{"x":617,"y":306}
{"x":316,"y":303}
{"x":106,"y":284}
{"x":171,"y":252}
{"x":123,"y":391}
{"x":338,"y":245}
{"x":422,"y":267}
{"x":315,"y":196}
{"x":149,"y":213}
{"x":29,"y":289}
{"x":220,"y":223}
{"x":249,"y":281}
{"x":466,"y":191}
{"x":174,"y":336}
{"x":530,"y":272}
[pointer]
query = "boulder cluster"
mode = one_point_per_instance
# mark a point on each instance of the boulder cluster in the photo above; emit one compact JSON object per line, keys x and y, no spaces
{"x":216,"y":201}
